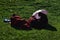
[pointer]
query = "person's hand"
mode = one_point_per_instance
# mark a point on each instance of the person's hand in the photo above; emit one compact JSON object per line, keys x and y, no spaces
{"x":9,"y":22}
{"x":26,"y":25}
{"x":22,"y":19}
{"x":32,"y":18}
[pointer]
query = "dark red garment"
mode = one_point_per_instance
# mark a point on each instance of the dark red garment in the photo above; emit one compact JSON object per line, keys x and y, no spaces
{"x":30,"y":20}
{"x":17,"y":22}
{"x":14,"y":19}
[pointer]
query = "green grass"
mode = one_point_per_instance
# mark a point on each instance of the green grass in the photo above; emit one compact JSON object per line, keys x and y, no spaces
{"x":25,"y":8}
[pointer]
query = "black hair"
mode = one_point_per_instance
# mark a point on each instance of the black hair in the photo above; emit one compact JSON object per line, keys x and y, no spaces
{"x":40,"y":14}
{"x":14,"y":15}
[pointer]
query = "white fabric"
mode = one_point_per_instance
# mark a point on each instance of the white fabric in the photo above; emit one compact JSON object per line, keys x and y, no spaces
{"x":35,"y":14}
{"x":44,"y":12}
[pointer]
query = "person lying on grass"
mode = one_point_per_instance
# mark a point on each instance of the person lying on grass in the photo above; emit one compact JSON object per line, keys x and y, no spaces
{"x":38,"y":18}
{"x":18,"y":22}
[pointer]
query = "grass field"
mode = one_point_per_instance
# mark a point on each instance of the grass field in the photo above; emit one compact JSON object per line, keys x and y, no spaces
{"x":25,"y":8}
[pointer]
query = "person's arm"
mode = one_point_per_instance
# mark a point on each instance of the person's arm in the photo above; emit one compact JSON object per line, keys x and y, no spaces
{"x":31,"y":19}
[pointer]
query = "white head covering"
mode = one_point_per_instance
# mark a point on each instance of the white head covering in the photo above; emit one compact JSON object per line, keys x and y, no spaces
{"x":35,"y":14}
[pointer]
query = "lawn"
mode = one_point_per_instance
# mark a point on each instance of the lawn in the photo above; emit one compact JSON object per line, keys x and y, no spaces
{"x":25,"y":8}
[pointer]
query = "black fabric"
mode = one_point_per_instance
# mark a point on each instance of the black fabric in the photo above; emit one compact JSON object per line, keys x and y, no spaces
{"x":40,"y":23}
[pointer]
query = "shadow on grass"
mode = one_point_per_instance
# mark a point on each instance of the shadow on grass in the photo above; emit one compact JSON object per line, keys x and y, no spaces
{"x":22,"y":28}
{"x":46,"y":27}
